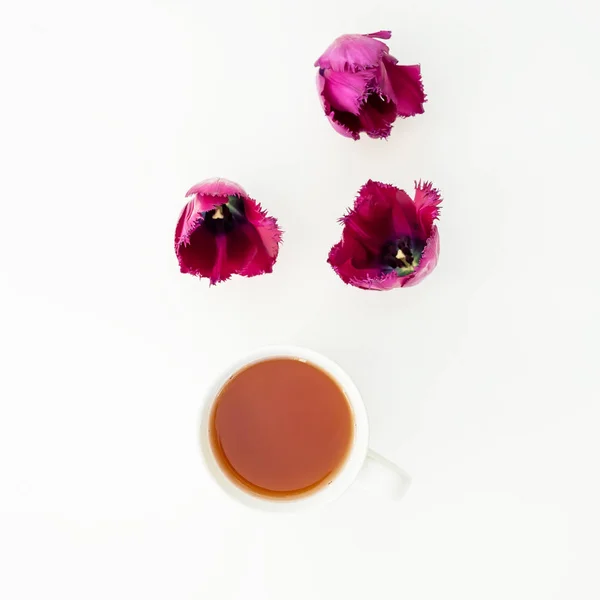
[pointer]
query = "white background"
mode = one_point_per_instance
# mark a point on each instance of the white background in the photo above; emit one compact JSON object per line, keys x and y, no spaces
{"x":482,"y":382}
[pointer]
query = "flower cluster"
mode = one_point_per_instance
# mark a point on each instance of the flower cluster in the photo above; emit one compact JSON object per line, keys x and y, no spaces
{"x":388,"y":240}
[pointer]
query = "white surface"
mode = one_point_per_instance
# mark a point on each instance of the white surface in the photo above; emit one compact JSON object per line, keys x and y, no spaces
{"x":482,"y":382}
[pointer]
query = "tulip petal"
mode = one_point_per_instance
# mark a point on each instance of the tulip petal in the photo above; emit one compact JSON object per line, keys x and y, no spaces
{"x":350,"y":129}
{"x":351,"y":260}
{"x":380,"y":203}
{"x":346,"y":90}
{"x":377,"y":116}
{"x":189,"y":219}
{"x":236,"y":253}
{"x":427,"y":203}
{"x":381,"y":283}
{"x":384,"y":34}
{"x":217,"y":186}
{"x":197,"y":255}
{"x":219,"y":272}
{"x":403,"y":85}
{"x":428,"y":262}
{"x":370,"y":222}
{"x":259,"y":261}
{"x":351,"y":126}
{"x":348,"y":259}
{"x":353,"y":52}
{"x":267,"y":228}
{"x":346,"y":123}
{"x":241,"y":248}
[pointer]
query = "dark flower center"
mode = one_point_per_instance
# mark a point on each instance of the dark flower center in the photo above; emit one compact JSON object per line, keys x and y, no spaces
{"x":224,"y":217}
{"x":376,"y":114}
{"x":402,"y":255}
{"x":377,"y":103}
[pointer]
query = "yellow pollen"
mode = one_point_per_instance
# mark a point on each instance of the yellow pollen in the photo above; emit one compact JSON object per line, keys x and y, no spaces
{"x":402,"y":257}
{"x":218,"y":213}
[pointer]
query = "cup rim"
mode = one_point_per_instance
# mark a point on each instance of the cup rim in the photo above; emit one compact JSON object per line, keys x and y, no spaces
{"x":345,"y":475}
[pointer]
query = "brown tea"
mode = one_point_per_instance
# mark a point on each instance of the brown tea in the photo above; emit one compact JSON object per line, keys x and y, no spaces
{"x":281,"y":427}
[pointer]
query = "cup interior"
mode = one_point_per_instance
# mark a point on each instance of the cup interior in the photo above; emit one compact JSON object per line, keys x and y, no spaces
{"x":344,"y":475}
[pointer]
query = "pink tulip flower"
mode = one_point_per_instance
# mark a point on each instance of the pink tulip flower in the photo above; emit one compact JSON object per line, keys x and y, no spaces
{"x":388,"y":240}
{"x":222,"y":232}
{"x":363,"y":88}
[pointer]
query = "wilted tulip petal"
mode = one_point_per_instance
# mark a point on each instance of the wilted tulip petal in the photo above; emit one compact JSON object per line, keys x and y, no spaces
{"x":363,"y":88}
{"x":388,"y":239}
{"x":222,"y":232}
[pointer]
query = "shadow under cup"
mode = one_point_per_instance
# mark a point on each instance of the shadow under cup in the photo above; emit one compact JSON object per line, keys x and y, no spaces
{"x":281,"y":427}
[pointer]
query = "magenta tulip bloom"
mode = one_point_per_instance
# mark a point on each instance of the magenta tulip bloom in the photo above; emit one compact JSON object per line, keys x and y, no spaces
{"x":222,"y":232}
{"x":363,"y":88}
{"x":388,"y":239}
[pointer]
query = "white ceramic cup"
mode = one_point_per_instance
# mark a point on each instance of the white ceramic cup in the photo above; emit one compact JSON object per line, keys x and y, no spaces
{"x":361,"y":464}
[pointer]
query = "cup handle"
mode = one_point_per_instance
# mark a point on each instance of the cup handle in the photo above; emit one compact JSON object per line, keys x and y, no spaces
{"x":383,"y":476}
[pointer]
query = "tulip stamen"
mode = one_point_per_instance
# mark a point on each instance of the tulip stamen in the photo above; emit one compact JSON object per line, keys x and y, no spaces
{"x":402,"y":258}
{"x":218,"y":214}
